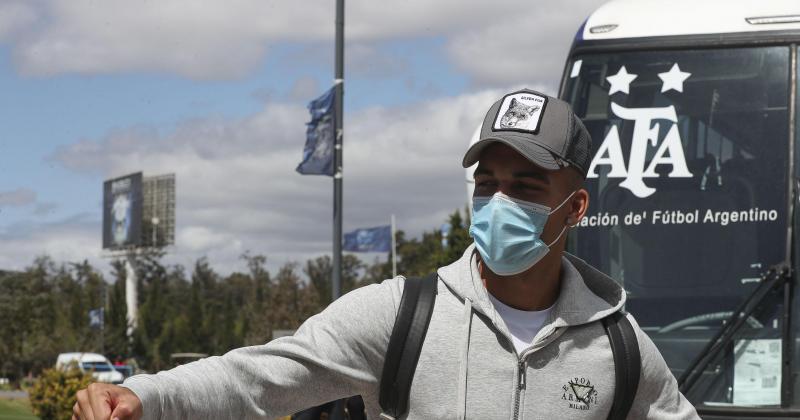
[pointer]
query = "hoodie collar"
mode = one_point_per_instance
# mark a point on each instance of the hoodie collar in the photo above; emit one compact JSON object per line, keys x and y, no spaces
{"x":586,"y":294}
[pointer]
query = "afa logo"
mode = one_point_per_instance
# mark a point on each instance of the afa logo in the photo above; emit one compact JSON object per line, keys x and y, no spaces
{"x":669,"y":150}
{"x":580,"y":394}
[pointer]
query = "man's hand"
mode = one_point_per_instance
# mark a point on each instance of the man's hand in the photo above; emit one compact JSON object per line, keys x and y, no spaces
{"x":106,"y":402}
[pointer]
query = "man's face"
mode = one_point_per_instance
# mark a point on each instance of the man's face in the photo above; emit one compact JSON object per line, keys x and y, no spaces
{"x":502,"y":169}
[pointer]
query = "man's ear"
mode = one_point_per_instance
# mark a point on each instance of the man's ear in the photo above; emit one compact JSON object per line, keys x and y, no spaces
{"x":578,"y":207}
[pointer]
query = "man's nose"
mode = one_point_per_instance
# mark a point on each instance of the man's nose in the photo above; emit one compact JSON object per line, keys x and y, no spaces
{"x":505,"y":188}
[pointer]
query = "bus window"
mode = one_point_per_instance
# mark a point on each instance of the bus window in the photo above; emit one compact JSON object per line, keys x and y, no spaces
{"x":688,"y":189}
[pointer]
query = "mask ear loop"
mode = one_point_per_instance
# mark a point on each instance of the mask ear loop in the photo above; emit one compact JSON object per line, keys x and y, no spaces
{"x":558,"y":237}
{"x":563,"y":202}
{"x":565,"y":226}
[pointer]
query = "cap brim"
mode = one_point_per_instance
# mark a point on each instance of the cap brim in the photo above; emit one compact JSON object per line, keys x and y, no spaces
{"x":538,"y":155}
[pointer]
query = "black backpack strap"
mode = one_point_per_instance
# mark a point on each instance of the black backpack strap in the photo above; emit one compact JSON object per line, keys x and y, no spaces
{"x":405,"y":344}
{"x":627,"y":363}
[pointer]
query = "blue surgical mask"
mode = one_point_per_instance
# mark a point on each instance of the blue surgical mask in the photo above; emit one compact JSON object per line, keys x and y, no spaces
{"x":508,"y":232}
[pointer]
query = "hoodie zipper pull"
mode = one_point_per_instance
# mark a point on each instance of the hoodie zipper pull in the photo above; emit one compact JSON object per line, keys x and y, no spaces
{"x":521,"y":379}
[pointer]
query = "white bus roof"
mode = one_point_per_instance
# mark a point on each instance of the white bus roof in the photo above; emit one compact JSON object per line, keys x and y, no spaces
{"x":651,"y":18}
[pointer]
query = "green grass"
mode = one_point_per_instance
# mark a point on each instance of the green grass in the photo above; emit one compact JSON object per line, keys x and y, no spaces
{"x":15,"y":409}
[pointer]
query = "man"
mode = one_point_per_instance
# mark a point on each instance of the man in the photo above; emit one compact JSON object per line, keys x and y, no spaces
{"x":515,"y":331}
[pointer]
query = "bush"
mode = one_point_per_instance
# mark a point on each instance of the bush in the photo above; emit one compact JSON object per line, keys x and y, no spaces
{"x":53,"y":394}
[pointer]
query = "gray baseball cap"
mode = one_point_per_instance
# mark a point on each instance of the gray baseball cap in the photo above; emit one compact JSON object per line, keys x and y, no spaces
{"x":540,"y":127}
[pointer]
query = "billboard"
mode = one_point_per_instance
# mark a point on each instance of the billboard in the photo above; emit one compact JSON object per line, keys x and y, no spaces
{"x":122,"y":212}
{"x":158,"y":211}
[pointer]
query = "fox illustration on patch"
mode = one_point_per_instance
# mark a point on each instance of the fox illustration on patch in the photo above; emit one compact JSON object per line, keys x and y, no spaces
{"x":517,"y":114}
{"x":520,"y":111}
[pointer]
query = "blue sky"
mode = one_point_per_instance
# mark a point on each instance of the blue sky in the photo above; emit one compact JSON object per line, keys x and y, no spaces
{"x":44,"y":113}
{"x":94,"y":91}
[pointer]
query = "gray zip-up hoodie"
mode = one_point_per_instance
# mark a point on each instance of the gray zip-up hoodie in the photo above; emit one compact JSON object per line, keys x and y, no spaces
{"x":468,"y":367}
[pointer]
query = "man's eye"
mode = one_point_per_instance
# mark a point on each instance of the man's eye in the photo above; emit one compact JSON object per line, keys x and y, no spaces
{"x":529,"y":187}
{"x":485,"y":187}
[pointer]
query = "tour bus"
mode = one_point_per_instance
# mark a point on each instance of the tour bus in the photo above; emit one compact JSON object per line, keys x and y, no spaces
{"x":692,"y":107}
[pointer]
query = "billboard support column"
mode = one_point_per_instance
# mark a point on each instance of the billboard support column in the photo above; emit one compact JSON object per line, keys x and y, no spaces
{"x":103,"y":325}
{"x":131,"y":298}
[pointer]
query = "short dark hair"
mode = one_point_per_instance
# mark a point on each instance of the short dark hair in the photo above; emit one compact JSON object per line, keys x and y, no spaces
{"x":576,"y":178}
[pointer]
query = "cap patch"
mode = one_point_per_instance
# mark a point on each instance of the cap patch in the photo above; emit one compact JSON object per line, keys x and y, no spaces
{"x":520,"y":112}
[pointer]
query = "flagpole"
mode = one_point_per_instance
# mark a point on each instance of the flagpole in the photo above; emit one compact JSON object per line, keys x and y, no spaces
{"x":337,"y":152}
{"x":394,"y":251}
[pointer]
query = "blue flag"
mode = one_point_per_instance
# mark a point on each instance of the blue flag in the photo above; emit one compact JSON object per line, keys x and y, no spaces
{"x":320,"y":137}
{"x":96,"y":318}
{"x":376,"y":239}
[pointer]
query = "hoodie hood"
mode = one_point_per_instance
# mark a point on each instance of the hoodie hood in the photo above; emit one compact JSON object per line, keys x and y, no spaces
{"x":586,"y":294}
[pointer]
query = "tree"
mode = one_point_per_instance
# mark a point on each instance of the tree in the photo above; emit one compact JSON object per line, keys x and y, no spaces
{"x":44,"y":308}
{"x":458,"y":238}
{"x":116,"y":317}
{"x":377,"y":272}
{"x":203,"y":306}
{"x":257,"y":318}
{"x":291,"y":303}
{"x":421,"y":257}
{"x":320,"y":274}
{"x":28,"y":336}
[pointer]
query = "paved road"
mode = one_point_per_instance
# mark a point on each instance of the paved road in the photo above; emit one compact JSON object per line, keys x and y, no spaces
{"x":13,"y":394}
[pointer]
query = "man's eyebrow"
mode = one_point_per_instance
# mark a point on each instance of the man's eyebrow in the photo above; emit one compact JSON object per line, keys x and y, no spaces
{"x":539,"y":176}
{"x":532,"y":174}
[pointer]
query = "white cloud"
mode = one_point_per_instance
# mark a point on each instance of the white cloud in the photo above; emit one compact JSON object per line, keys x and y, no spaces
{"x":76,"y":238}
{"x":27,"y":200}
{"x":499,"y":42}
{"x":198,"y":238}
{"x":45,"y":208}
{"x":304,"y":88}
{"x":16,"y":16}
{"x":372,"y":61}
{"x":194,"y":39}
{"x":528,"y":46}
{"x":237,"y":188}
{"x":17,"y":198}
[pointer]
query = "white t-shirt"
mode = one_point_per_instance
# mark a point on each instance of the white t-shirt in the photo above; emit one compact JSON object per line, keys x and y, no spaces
{"x":523,"y":325}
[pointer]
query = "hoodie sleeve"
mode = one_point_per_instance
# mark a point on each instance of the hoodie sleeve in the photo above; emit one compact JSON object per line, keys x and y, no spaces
{"x":658,"y":396}
{"x":334,"y":354}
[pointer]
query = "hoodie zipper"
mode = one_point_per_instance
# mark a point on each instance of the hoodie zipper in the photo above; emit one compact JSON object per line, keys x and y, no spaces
{"x":520,"y":386}
{"x":522,"y":365}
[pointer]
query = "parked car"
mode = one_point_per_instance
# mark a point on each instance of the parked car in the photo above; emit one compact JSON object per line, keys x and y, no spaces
{"x":97,"y":364}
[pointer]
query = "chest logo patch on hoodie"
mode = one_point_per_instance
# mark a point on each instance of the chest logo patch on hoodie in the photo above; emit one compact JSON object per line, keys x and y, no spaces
{"x":579,"y":393}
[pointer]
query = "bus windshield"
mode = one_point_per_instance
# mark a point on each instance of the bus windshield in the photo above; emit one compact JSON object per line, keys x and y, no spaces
{"x":688,"y":183}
